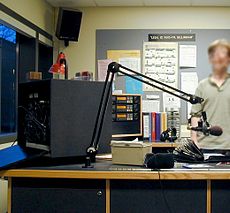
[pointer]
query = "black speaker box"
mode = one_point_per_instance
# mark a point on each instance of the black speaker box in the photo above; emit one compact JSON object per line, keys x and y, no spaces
{"x":59,"y":116}
{"x":68,"y":24}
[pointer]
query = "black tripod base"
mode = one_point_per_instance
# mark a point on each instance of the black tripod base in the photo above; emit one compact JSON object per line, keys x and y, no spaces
{"x":88,"y":163}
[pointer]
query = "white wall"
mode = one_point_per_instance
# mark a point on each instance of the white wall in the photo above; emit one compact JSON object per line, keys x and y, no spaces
{"x":81,"y":55}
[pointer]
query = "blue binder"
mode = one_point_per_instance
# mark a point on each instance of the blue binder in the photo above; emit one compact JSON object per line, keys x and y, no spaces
{"x":14,"y":155}
{"x":11,"y":155}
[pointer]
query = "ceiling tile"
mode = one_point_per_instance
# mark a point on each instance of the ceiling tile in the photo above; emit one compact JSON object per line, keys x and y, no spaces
{"x":211,"y":3}
{"x":130,"y":3}
{"x":72,"y":3}
{"x":105,"y":3}
{"x":167,"y":2}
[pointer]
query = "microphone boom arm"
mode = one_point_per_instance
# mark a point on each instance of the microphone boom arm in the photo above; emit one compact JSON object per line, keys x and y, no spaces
{"x":114,"y":68}
{"x":118,"y":68}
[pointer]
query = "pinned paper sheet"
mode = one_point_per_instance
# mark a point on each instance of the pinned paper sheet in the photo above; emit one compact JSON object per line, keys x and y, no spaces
{"x":102,"y":67}
{"x":188,"y":55}
{"x":131,"y":63}
{"x":189,"y":83}
{"x":115,"y":55}
{"x":170,"y":101}
{"x":150,"y":106}
{"x":160,"y":62}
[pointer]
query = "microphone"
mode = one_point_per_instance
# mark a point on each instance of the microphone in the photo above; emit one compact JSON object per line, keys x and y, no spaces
{"x":159,"y":160}
{"x":213,"y":130}
{"x":205,"y":128}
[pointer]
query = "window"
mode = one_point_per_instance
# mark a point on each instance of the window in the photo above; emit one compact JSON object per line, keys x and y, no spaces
{"x":17,"y":58}
{"x":8,"y":80}
{"x":7,"y":33}
{"x":24,"y":47}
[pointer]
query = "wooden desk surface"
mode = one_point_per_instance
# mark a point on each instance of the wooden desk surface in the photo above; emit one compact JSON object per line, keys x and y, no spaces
{"x":134,"y":175}
{"x":109,"y":171}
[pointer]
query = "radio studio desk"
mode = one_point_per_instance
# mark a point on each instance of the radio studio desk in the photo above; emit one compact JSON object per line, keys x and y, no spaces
{"x":115,"y":188}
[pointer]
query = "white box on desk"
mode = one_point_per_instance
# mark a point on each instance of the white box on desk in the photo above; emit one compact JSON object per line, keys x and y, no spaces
{"x":130,"y":153}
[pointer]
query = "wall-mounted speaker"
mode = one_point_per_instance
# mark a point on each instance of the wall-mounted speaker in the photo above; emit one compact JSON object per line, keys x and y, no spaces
{"x":68,"y":24}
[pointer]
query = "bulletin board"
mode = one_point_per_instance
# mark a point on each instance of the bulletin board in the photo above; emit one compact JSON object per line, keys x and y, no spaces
{"x":133,"y":39}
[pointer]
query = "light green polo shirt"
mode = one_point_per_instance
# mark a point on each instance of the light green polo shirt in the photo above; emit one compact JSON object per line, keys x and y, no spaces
{"x":216,"y":104}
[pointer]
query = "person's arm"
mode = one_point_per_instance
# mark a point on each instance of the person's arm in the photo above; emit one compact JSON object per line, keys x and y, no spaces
{"x":194,"y":123}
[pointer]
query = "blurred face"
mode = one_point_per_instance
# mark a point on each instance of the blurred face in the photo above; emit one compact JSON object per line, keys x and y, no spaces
{"x":219,"y":59}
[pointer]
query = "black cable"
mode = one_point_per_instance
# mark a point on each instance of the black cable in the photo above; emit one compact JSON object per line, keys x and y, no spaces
{"x":33,"y":117}
{"x":163,"y":194}
{"x":34,"y":129}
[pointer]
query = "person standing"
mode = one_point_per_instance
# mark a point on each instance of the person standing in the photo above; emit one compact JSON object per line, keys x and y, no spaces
{"x":215,"y":90}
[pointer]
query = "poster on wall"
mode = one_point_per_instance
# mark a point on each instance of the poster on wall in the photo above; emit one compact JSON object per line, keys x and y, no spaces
{"x":160,"y":62}
{"x":132,"y":60}
{"x":128,"y":58}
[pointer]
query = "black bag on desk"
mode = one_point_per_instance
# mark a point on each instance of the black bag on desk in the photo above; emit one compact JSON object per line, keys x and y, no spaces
{"x":188,"y":152}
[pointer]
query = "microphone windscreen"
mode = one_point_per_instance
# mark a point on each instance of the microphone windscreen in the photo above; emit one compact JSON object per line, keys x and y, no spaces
{"x":215,"y":130}
{"x":159,"y":161}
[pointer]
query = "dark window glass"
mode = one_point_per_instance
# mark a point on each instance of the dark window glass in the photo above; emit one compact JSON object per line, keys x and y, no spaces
{"x":8,"y":80}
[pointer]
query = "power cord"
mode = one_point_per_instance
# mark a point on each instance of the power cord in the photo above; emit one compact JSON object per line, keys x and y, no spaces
{"x":163,"y":193}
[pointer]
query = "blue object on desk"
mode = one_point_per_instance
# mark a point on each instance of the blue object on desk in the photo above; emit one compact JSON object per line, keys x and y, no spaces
{"x":11,"y":155}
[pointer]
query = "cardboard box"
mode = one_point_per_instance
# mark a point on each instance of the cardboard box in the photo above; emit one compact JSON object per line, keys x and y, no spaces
{"x":34,"y":75}
{"x":130,"y":153}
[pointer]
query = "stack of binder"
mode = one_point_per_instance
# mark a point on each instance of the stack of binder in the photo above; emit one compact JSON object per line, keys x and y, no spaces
{"x":154,"y":123}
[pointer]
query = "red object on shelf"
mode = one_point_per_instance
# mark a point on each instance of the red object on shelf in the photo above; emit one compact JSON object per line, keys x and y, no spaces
{"x":60,"y":66}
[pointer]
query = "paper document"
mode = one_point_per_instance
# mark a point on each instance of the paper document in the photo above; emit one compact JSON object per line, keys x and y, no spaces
{"x":102,"y":67}
{"x":131,"y":63}
{"x":115,"y":55}
{"x":170,"y":101}
{"x":160,"y":62}
{"x":187,"y":56}
{"x":150,"y":105}
{"x":189,"y":83}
